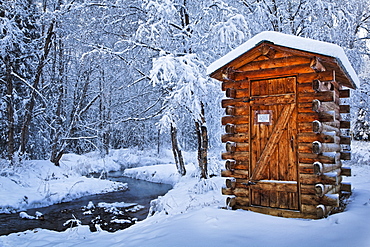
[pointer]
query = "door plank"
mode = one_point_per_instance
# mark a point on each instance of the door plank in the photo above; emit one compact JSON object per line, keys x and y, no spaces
{"x":274,"y":139}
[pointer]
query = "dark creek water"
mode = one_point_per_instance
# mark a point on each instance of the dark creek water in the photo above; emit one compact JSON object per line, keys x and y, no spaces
{"x":107,"y":218}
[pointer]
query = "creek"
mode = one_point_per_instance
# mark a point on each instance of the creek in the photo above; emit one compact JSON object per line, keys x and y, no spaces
{"x":111,"y":216}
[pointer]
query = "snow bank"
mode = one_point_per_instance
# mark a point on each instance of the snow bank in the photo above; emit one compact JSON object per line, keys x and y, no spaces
{"x":291,"y":41}
{"x":41,"y":183}
{"x":166,"y":173}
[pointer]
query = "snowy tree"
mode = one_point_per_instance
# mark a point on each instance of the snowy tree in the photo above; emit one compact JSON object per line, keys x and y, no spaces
{"x":19,"y":42}
{"x":183,"y":34}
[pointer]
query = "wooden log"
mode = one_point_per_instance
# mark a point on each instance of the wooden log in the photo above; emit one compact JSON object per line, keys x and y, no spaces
{"x":304,"y":147}
{"x":319,"y":106}
{"x":345,"y":124}
{"x":237,"y":93}
{"x":229,"y":164}
{"x":327,"y":200}
{"x":326,"y":178}
{"x":323,"y":211}
{"x":227,"y":191}
{"x":230,"y":147}
{"x":345,"y":155}
{"x":275,"y":63}
{"x":230,"y":183}
{"x":231,"y":92}
{"x":335,"y":124}
{"x":237,"y":164}
{"x":304,"y":107}
{"x":237,"y":147}
{"x":242,"y":201}
{"x":243,"y":84}
{"x":310,"y":210}
{"x":235,"y":156}
{"x":328,"y":116}
{"x":327,"y":96}
{"x":316,"y":65}
{"x":322,"y":189}
{"x":345,"y":140}
{"x":304,"y":117}
{"x":328,"y":111}
{"x":318,"y":147}
{"x":246,"y":58}
{"x":305,"y":168}
{"x":235,"y":173}
{"x":305,"y":87}
{"x":230,"y":202}
{"x":327,"y":158}
{"x":344,"y":109}
{"x":238,"y":75}
{"x":305,"y":127}
{"x":308,"y":189}
{"x":230,"y":110}
{"x":237,"y":110}
{"x":346,"y":171}
{"x":344,"y":93}
{"x":322,"y":76}
{"x":326,"y":137}
{"x":319,"y":127}
{"x":226,"y":173}
{"x":346,"y":187}
{"x":230,"y":128}
{"x":234,"y":120}
{"x":242,"y":183}
{"x":239,"y":137}
{"x":321,"y":86}
{"x":322,"y":168}
{"x":239,"y":128}
{"x":268,"y":51}
{"x":241,"y":192}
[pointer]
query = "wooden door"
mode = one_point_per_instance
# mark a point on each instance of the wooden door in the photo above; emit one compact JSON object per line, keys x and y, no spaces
{"x":273,"y":146}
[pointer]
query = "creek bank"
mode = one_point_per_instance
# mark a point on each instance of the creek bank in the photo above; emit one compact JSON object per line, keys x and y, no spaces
{"x":113,"y":217}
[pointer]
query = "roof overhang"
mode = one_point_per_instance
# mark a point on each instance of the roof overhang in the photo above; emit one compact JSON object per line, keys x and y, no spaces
{"x":332,"y":54}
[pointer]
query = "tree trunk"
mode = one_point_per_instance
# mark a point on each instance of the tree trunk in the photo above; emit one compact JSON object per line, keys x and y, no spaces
{"x":179,"y":160}
{"x":31,"y":104}
{"x":58,"y":146}
{"x":202,"y":135}
{"x":56,"y":154}
{"x":105,"y":115}
{"x":9,"y":108}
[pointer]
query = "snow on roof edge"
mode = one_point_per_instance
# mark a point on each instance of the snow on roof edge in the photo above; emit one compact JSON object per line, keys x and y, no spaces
{"x":291,"y":41}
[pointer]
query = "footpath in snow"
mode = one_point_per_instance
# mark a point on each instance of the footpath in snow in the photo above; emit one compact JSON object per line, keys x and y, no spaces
{"x":191,"y":214}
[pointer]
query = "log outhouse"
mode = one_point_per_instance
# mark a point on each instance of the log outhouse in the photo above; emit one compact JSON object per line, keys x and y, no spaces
{"x":285,"y":126}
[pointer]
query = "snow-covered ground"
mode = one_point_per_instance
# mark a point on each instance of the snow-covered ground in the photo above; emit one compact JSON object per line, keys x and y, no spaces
{"x":191,"y":215}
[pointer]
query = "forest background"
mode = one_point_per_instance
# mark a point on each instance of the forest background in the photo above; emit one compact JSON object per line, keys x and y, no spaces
{"x":92,"y":75}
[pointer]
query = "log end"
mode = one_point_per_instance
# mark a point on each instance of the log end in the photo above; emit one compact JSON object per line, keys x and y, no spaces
{"x":316,"y":147}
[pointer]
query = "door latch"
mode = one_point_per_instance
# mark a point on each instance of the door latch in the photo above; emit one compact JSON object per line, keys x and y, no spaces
{"x":248,"y":100}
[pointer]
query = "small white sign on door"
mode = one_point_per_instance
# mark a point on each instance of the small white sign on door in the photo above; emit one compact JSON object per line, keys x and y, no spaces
{"x":263,"y":118}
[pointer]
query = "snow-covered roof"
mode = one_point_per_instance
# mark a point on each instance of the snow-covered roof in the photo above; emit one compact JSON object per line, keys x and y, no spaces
{"x":291,"y":41}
